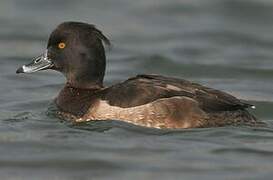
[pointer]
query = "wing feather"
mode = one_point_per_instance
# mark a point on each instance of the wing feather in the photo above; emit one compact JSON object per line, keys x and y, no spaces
{"x":144,"y":89}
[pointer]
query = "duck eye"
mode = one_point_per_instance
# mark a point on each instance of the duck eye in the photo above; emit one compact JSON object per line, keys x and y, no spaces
{"x":61,"y":45}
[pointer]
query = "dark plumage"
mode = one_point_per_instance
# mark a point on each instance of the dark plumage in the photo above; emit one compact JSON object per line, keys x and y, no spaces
{"x":146,"y":100}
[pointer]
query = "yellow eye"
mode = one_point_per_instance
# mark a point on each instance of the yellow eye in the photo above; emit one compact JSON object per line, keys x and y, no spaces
{"x":61,"y":45}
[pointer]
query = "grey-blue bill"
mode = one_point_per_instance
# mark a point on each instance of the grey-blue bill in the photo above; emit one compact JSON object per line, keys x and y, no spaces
{"x":39,"y":63}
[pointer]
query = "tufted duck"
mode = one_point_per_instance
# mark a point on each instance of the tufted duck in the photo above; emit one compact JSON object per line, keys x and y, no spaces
{"x":76,"y":50}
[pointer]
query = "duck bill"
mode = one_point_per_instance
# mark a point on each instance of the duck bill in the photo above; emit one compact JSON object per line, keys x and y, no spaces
{"x":39,"y":63}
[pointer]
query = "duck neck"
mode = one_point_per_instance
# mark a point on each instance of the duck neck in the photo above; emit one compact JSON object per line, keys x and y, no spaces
{"x":84,"y":83}
{"x":75,"y":100}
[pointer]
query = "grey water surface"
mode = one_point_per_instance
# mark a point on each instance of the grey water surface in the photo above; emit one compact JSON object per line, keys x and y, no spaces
{"x":224,"y":44}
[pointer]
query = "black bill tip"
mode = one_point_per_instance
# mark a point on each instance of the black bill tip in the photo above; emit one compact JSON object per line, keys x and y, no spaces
{"x":19,"y":70}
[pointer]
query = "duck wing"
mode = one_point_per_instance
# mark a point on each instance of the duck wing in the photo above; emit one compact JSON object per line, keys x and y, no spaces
{"x":144,"y":89}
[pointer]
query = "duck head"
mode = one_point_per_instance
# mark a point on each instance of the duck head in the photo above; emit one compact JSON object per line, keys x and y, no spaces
{"x":76,"y":50}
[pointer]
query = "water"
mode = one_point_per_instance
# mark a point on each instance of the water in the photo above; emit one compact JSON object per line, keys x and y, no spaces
{"x":225,"y":44}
